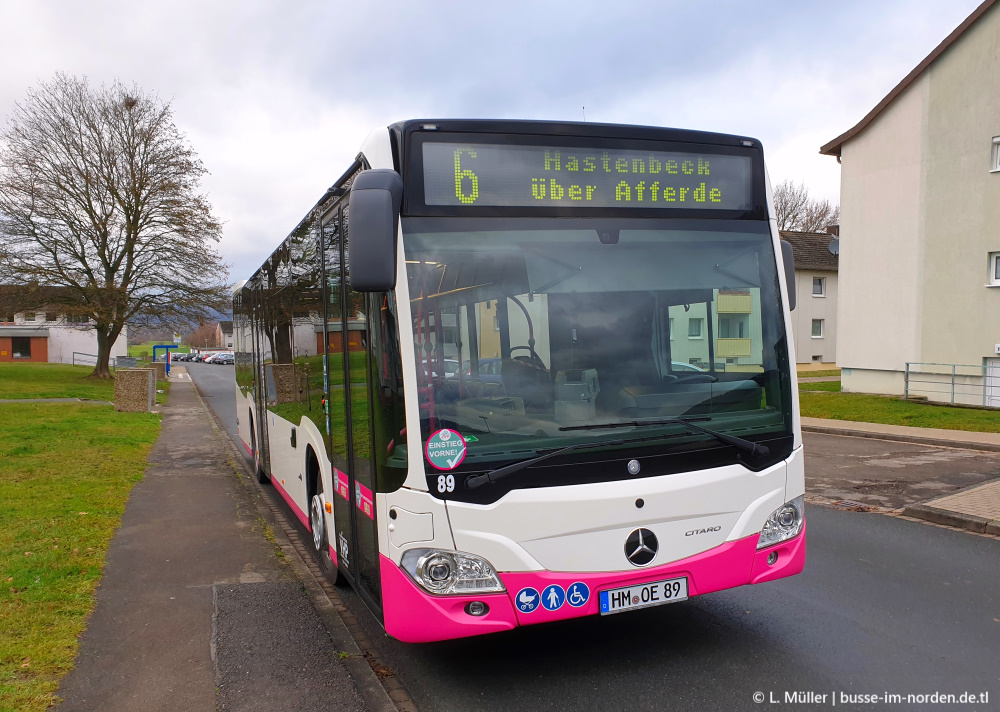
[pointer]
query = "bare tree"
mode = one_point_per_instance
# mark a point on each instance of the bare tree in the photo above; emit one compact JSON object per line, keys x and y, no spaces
{"x":99,"y":195}
{"x":205,"y":336}
{"x":795,"y":210}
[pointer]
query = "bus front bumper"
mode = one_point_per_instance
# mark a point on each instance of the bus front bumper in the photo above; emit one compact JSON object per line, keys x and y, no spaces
{"x":414,"y":616}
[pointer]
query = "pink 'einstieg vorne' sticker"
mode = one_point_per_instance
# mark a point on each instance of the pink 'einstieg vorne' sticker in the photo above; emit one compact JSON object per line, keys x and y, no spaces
{"x":445,"y":449}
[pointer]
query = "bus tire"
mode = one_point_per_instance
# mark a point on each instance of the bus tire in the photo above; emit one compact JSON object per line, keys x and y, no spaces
{"x":321,"y":541}
{"x":262,"y":477}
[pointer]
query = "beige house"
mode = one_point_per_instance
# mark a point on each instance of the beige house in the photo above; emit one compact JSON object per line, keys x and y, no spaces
{"x":814,"y":319}
{"x":920,"y":214}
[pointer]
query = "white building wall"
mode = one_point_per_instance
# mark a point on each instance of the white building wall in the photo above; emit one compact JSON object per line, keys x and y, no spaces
{"x":962,"y":208}
{"x":808,"y":306}
{"x":920,"y":210}
{"x":65,"y":339}
{"x":880,"y":262}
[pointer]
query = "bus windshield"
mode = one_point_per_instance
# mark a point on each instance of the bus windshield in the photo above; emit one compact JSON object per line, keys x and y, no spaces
{"x":525,"y":330}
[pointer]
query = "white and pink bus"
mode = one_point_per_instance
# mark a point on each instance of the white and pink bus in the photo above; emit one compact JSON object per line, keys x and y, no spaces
{"x":514,"y":372}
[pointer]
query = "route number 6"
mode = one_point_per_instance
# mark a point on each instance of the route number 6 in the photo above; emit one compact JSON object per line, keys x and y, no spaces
{"x":446,"y":484}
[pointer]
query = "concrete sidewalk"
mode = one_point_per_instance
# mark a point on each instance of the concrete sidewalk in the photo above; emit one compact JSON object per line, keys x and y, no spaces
{"x":975,"y":509}
{"x":195,"y":610}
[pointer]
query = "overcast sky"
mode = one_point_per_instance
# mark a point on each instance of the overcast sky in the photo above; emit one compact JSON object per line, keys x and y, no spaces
{"x":277,"y":97}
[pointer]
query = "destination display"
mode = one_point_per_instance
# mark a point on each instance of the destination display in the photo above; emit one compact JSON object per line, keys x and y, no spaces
{"x":476,"y":174}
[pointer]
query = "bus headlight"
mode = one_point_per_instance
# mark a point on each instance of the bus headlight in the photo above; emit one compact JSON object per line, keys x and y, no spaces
{"x":784,"y":523}
{"x":451,"y":572}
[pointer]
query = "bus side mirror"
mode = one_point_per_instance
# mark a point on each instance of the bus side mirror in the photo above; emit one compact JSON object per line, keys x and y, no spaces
{"x":376,"y":196}
{"x":788,"y":257}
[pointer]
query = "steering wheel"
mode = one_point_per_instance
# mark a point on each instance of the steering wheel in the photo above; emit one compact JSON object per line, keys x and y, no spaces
{"x":533,"y":358}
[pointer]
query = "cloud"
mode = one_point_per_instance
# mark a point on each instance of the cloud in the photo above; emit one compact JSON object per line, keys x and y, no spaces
{"x":277,"y":97}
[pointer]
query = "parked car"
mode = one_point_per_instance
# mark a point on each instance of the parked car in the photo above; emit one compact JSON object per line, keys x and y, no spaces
{"x":679,"y":366}
{"x":489,"y":370}
{"x":225,"y":359}
{"x":450,"y":368}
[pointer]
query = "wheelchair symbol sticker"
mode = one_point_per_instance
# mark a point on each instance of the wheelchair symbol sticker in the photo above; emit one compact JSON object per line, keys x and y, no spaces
{"x":578,"y":594}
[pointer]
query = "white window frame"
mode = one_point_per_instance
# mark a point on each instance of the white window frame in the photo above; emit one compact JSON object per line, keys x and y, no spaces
{"x":822,"y":327}
{"x":822,"y":287}
{"x":995,"y":156}
{"x":993,"y":267}
{"x":701,"y":327}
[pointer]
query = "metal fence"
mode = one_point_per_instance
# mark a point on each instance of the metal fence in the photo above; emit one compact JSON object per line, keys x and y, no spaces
{"x":953,"y":383}
{"x":83,"y":359}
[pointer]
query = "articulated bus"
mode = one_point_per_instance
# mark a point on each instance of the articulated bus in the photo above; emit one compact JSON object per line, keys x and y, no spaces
{"x":512,"y":372}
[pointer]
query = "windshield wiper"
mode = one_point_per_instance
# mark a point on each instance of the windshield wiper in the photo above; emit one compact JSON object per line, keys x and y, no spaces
{"x":490,"y":477}
{"x":501,"y":472}
{"x":745,"y":445}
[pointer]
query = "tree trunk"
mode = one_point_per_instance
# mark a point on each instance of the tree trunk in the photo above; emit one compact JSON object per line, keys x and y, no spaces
{"x":104,"y":343}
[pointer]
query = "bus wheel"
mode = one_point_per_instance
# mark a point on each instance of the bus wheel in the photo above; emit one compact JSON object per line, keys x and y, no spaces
{"x":321,"y":542}
{"x":261,"y":475}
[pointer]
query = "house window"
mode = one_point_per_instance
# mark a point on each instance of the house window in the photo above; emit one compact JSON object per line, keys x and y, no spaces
{"x":817,"y":328}
{"x":29,"y":316}
{"x":995,"y":157}
{"x":51,"y":316}
{"x":694,"y":328}
{"x":994,"y":267}
{"x":819,"y":286}
{"x":77,"y":319}
{"x":21,"y":347}
{"x":671,"y":328}
{"x":732,"y":328}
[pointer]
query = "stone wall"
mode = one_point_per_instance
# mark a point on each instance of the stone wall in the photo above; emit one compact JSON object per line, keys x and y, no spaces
{"x":286,"y":386}
{"x":134,"y":389}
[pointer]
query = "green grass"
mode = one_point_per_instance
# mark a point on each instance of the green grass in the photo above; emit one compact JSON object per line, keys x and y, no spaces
{"x":66,"y":471}
{"x":52,"y":380}
{"x":145,"y":350}
{"x":59,"y":380}
{"x":890,"y":411}
{"x":819,"y":374}
{"x":831,"y":386}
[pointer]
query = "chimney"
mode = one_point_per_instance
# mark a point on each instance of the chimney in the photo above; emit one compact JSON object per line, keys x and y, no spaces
{"x":833,"y":230}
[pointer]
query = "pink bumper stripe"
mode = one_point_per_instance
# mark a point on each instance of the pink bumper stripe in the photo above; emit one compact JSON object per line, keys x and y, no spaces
{"x":413,"y":616}
{"x":247,"y":448}
{"x":791,"y":560}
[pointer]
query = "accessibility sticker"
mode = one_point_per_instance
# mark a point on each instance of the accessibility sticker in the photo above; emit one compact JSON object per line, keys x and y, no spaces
{"x":578,"y":594}
{"x":527,"y":600}
{"x":445,"y":449}
{"x":553,"y":597}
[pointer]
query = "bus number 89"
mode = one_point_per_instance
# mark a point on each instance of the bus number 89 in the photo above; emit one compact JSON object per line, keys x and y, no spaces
{"x":446,"y":484}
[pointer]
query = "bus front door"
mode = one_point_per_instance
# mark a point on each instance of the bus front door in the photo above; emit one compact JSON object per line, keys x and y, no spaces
{"x":355,"y":538}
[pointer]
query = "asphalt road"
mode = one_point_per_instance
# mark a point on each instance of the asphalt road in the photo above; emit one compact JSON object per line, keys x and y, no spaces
{"x":885,"y":605}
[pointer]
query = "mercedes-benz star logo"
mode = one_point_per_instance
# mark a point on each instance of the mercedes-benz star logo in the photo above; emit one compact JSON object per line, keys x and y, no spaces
{"x":640,"y":547}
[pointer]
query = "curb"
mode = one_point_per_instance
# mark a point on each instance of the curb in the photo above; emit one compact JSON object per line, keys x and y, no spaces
{"x":375,"y":682}
{"x":917,"y":440}
{"x":968,"y":522}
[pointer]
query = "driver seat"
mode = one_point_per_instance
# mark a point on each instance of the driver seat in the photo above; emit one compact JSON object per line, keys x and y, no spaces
{"x":528,"y":381}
